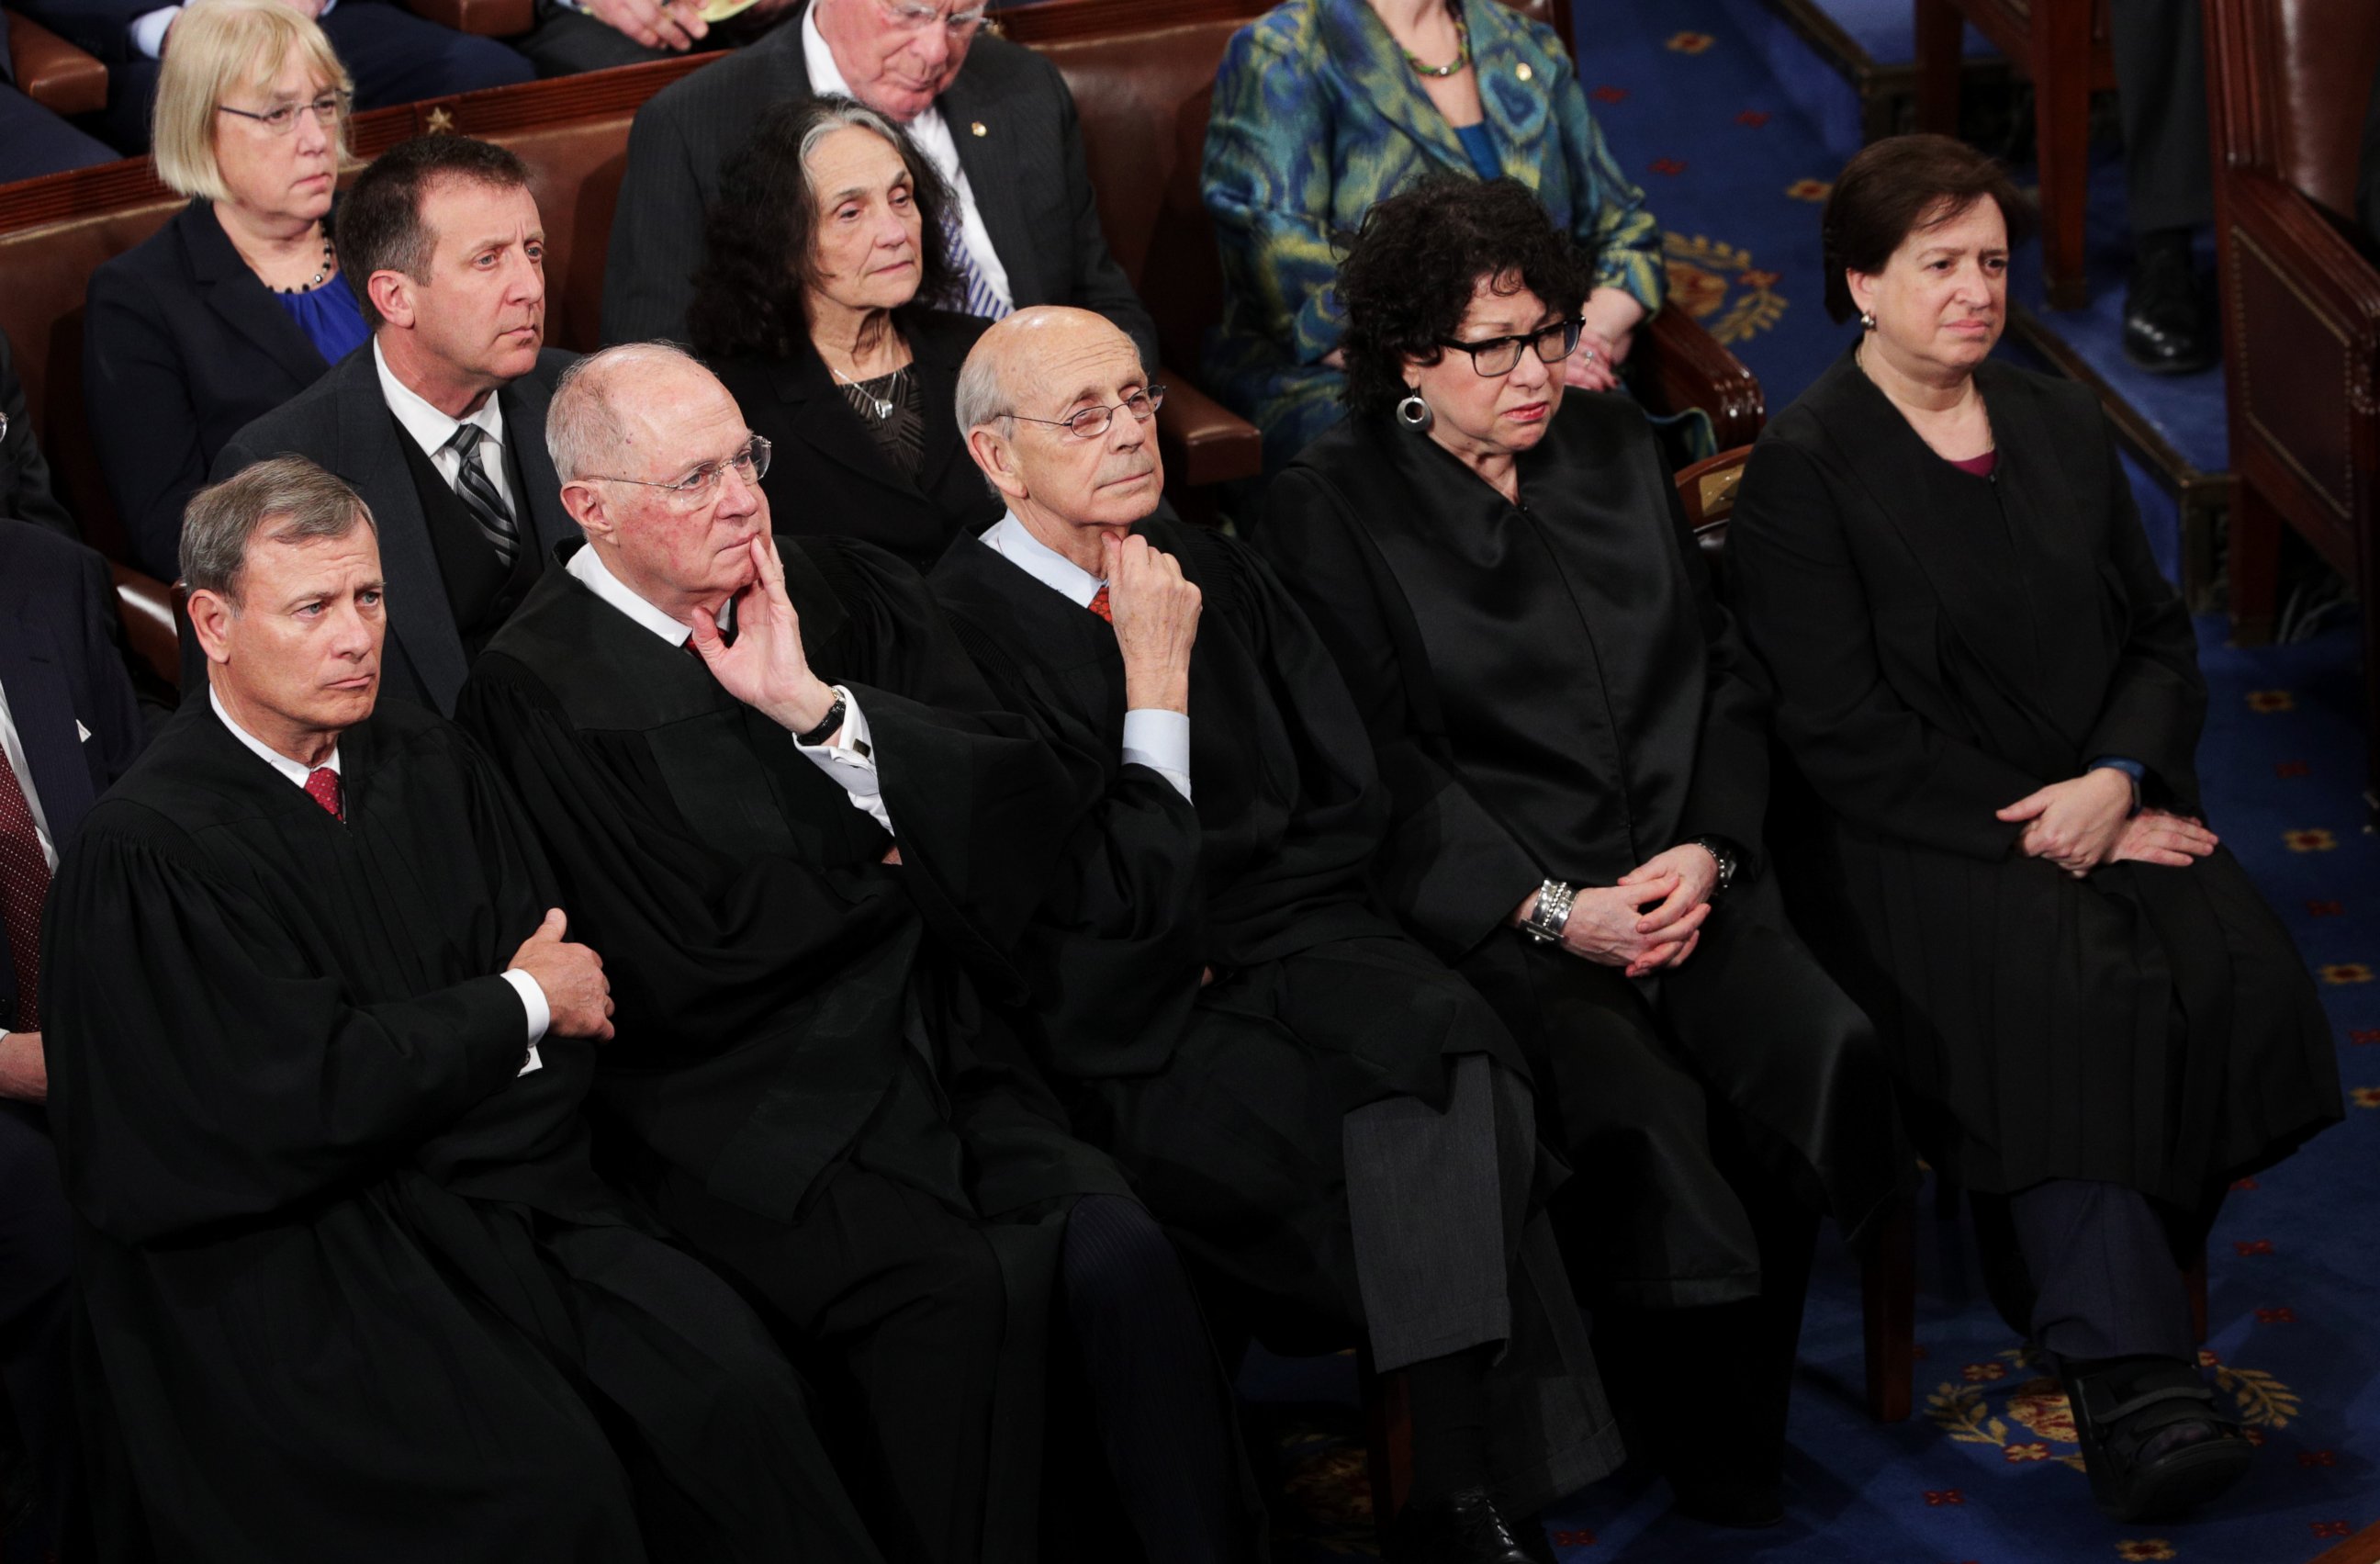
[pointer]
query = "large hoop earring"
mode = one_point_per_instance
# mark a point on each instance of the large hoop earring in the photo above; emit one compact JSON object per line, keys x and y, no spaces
{"x":1414,"y":414}
{"x":1868,"y":320}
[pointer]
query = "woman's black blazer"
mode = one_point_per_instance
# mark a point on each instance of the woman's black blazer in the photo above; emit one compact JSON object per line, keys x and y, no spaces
{"x":183,"y":347}
{"x":828,"y":478}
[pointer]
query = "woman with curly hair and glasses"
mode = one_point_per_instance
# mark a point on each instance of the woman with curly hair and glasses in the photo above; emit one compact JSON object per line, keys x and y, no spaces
{"x":1578,"y":759}
{"x":817,"y":303}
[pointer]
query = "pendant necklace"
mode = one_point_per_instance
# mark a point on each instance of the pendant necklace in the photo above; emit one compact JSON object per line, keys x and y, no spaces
{"x":1462,"y":54}
{"x":883,"y":405}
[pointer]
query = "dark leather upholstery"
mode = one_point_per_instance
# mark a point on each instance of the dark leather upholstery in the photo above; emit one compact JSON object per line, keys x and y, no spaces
{"x":486,"y":18}
{"x":2287,"y":81}
{"x":53,"y":72}
{"x":2320,"y":76}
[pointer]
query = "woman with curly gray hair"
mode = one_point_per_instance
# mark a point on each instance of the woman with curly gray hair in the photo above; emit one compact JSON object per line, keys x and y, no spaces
{"x":1579,"y":760}
{"x":816,"y":304}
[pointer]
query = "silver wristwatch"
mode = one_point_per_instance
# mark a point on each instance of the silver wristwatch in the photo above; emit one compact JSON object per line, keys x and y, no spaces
{"x":1551,"y":915}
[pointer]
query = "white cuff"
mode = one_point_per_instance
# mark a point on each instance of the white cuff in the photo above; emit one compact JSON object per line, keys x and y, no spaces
{"x":1158,"y":740}
{"x":848,"y":758}
{"x":541,"y":1014}
{"x":148,"y":32}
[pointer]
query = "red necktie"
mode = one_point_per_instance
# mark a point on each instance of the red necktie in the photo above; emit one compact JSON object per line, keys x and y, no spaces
{"x":24,"y":885}
{"x":1098,"y":603}
{"x":323,"y":787}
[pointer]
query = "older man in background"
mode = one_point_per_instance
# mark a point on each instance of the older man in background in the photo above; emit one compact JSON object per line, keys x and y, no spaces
{"x":994,"y":118}
{"x":318,"y":1040}
{"x":779,"y":801}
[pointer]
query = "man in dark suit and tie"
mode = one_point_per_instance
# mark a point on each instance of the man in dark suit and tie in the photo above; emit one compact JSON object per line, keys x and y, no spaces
{"x":440,"y":424}
{"x":24,"y":474}
{"x":994,"y":117}
{"x":69,"y":729}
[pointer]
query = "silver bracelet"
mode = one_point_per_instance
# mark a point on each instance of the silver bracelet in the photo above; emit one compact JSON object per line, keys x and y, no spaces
{"x":1551,"y":915}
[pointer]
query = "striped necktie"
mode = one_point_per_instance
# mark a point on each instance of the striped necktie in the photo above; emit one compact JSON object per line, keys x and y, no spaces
{"x":480,"y":495}
{"x":977,"y":295}
{"x":24,"y":885}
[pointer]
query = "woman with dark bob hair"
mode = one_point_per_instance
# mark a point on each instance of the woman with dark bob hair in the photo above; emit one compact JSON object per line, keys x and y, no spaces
{"x":817,"y":303}
{"x":1995,"y":695}
{"x":1578,"y":763}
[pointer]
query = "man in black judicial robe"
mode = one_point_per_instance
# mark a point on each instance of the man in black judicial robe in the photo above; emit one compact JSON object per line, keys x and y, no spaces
{"x":318,"y":1048}
{"x":439,"y":420}
{"x":1329,"y":1120}
{"x":796,"y":886}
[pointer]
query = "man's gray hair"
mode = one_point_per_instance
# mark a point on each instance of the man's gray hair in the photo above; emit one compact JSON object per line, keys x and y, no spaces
{"x":285,"y":499}
{"x":983,"y":394}
{"x":583,"y":431}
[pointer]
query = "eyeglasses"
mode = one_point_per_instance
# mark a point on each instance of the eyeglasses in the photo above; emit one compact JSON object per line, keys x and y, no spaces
{"x":701,"y":486}
{"x":1500,"y":355}
{"x":328,"y":110}
{"x":1092,"y":423}
{"x":909,"y":16}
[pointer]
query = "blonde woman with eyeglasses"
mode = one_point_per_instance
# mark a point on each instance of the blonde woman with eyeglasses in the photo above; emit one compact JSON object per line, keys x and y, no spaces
{"x":237,"y":303}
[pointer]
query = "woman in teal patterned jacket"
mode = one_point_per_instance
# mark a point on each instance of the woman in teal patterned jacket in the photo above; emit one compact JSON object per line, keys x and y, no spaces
{"x":1322,"y":107}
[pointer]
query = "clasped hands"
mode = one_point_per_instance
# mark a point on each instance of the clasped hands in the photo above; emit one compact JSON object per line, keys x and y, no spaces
{"x":1651,"y":920}
{"x":2087,"y":822}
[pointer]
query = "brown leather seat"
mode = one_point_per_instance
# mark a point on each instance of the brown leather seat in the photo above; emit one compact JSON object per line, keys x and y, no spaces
{"x":53,"y":72}
{"x":2288,"y":81}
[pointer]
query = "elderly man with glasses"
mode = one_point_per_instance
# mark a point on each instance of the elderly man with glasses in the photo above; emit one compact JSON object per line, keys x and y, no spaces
{"x":1336,"y":1128}
{"x":782,"y":802}
{"x":995,"y":119}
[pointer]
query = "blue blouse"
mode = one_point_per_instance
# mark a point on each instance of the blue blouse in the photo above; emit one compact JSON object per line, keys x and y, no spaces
{"x":330,"y":317}
{"x":1480,"y":148}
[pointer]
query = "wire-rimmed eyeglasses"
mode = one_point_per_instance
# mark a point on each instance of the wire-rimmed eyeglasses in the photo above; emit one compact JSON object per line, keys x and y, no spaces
{"x":1500,"y":355}
{"x":912,"y":16}
{"x":329,"y":109}
{"x":701,"y":485}
{"x":1089,"y":424}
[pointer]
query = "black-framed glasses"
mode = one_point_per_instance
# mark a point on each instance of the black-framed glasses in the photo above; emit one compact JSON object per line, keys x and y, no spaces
{"x":701,"y":485}
{"x":1500,"y":355}
{"x":1089,"y":424}
{"x":329,"y":109}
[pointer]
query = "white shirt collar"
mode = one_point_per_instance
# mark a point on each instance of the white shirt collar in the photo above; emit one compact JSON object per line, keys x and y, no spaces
{"x":430,"y":428}
{"x":264,"y":751}
{"x":588,"y":567}
{"x":827,"y":77}
{"x":1012,"y":540}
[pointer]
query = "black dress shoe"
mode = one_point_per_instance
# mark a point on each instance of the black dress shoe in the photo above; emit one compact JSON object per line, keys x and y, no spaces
{"x":2168,"y":329}
{"x":2151,"y":1442}
{"x":1464,"y":1527}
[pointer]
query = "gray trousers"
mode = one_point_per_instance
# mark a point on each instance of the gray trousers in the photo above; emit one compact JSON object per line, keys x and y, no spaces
{"x":2105,"y":1283}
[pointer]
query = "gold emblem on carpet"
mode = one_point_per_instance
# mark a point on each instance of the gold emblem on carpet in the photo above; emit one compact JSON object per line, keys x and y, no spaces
{"x":1718,"y":284}
{"x":2008,"y":1403}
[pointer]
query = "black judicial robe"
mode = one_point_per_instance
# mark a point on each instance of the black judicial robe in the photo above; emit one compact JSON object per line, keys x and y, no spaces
{"x":1264,"y":881}
{"x":353,"y":1289}
{"x":774,"y":981}
{"x":1942,"y":646}
{"x":1553,"y":690}
{"x":1225,"y":1102}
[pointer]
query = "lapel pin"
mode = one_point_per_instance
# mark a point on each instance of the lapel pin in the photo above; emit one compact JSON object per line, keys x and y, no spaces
{"x":979,"y":129}
{"x":1523,"y":71}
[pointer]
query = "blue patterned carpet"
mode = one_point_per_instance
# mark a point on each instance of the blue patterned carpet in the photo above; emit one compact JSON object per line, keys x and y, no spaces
{"x":1734,"y":127}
